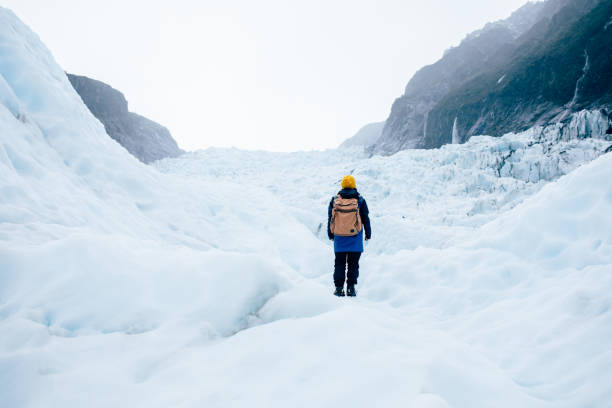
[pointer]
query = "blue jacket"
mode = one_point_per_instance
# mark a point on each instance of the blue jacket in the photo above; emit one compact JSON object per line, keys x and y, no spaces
{"x":354,"y":243}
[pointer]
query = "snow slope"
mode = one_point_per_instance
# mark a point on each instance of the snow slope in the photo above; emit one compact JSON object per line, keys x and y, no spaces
{"x":366,"y":136}
{"x":206,"y":280}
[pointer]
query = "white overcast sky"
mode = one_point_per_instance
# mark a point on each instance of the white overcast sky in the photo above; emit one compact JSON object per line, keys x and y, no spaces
{"x":272,"y":75}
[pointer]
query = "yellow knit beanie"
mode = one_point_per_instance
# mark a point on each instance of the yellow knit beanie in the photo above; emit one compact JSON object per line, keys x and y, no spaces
{"x":348,"y":182}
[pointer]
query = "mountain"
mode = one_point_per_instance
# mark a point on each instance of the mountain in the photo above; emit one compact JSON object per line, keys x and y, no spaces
{"x":142,"y":137}
{"x":548,"y":60}
{"x":366,"y":136}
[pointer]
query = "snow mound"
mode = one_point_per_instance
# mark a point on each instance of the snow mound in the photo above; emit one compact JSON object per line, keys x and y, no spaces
{"x":94,"y":242}
{"x":529,"y":290}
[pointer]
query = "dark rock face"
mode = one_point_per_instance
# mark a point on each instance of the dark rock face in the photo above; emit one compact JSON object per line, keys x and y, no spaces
{"x":143,"y":138}
{"x":546,"y":61}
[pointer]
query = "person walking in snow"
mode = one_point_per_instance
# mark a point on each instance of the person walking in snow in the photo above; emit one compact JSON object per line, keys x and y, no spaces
{"x":347,"y":218}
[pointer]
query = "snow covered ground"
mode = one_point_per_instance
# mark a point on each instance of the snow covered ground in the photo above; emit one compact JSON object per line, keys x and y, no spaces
{"x":206,"y":279}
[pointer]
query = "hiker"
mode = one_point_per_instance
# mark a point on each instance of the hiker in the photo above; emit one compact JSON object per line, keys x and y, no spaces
{"x":347,"y":214}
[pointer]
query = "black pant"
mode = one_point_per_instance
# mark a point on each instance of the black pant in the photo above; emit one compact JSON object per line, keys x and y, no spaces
{"x":342,"y":259}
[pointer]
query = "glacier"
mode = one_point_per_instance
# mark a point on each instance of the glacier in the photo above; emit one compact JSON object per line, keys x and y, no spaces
{"x":205,"y":280}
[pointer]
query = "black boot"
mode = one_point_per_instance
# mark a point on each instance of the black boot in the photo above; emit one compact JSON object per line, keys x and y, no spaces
{"x":350,"y":290}
{"x":339,"y":291}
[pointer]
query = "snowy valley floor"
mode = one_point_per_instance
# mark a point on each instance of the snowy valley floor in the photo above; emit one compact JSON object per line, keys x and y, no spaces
{"x":460,"y":304}
{"x":205,"y":280}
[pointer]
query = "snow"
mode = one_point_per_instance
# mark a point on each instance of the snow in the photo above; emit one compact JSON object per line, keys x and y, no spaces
{"x":205,"y":280}
{"x":366,"y":136}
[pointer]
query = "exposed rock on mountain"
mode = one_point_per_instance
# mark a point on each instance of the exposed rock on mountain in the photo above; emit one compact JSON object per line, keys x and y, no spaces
{"x":143,"y":138}
{"x":546,"y":61}
{"x":366,"y":136}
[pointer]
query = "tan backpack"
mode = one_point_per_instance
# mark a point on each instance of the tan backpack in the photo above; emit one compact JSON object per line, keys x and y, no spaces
{"x":345,"y":219}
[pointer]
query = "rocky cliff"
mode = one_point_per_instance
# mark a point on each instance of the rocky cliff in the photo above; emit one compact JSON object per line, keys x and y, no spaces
{"x":143,"y":138}
{"x":547,"y":61}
